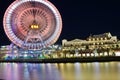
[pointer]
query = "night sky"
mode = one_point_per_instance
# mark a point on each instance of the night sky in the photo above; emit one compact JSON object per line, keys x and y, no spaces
{"x":80,"y":18}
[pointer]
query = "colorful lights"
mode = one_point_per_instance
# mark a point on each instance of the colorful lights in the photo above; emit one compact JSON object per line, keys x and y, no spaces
{"x":25,"y":55}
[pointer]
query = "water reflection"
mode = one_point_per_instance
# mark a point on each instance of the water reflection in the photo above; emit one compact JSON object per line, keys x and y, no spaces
{"x":90,"y":71}
{"x":28,"y":71}
{"x":61,"y":71}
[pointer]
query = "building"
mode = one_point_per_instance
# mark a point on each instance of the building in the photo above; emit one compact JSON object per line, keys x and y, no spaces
{"x":101,"y":44}
{"x":12,"y":51}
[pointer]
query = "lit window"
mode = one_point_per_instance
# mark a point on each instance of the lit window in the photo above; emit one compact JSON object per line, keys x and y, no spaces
{"x":89,"y":39}
{"x":101,"y":54}
{"x":88,"y":54}
{"x":84,"y":55}
{"x":105,"y":38}
{"x":92,"y":54}
{"x":117,"y":53}
{"x":93,"y":43}
{"x":101,"y":42}
{"x":105,"y":54}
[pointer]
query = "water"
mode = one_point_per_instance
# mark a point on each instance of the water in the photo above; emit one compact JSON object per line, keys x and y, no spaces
{"x":61,"y":71}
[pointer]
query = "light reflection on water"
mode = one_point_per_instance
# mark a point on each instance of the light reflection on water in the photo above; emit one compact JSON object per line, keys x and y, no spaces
{"x":60,"y":71}
{"x":28,"y":71}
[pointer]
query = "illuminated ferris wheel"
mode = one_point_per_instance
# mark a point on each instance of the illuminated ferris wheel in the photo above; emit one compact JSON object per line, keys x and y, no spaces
{"x":32,"y":24}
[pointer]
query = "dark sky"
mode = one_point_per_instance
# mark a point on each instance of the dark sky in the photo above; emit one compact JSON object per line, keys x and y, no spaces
{"x":80,"y":18}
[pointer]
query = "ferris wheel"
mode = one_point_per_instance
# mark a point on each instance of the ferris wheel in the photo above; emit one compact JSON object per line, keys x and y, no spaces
{"x":32,"y":24}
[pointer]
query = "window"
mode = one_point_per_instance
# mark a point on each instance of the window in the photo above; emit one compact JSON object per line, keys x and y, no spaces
{"x":89,"y":39}
{"x":105,"y":38}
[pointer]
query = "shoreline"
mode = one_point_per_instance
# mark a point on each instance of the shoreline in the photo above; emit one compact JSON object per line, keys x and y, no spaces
{"x":65,"y":60}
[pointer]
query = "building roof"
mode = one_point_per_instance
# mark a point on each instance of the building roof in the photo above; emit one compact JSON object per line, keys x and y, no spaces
{"x":101,"y":35}
{"x":77,"y":40}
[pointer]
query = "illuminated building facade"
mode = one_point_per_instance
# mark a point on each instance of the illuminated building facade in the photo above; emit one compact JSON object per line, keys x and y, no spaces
{"x":102,"y":44}
{"x":18,"y":53}
{"x":94,"y":46}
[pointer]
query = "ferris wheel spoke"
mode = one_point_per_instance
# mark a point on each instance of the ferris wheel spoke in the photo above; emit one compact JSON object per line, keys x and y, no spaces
{"x":43,"y":44}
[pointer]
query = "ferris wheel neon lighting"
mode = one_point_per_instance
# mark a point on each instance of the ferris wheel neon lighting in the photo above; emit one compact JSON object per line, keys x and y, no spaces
{"x":32,"y":24}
